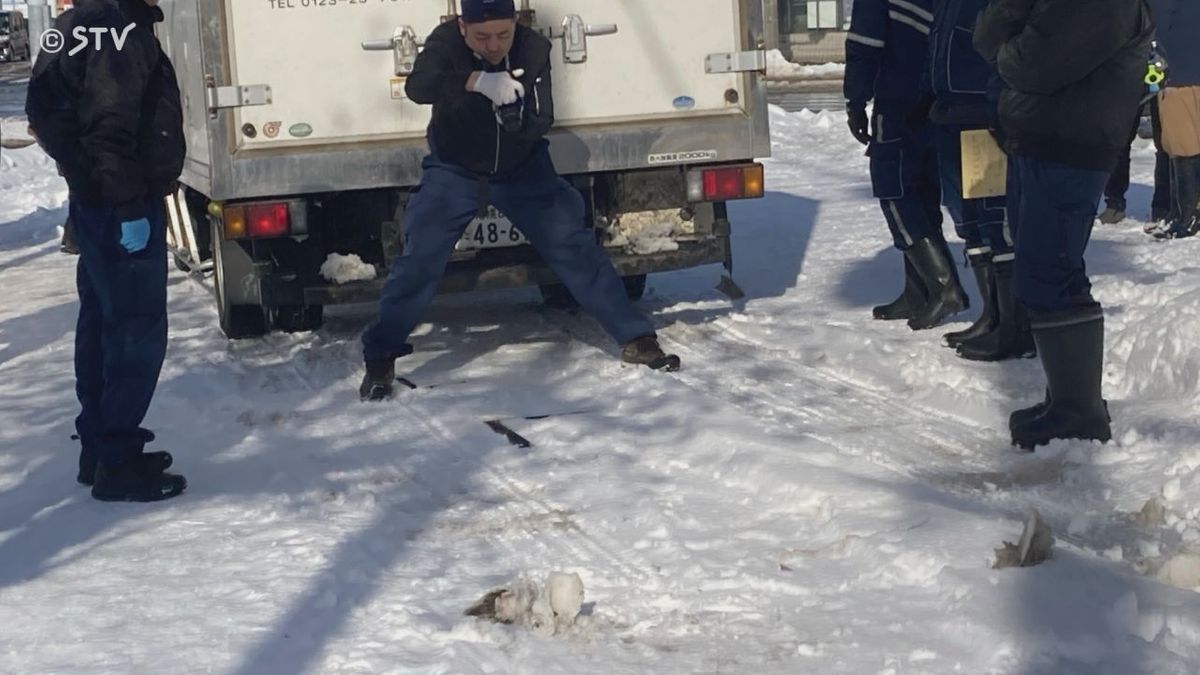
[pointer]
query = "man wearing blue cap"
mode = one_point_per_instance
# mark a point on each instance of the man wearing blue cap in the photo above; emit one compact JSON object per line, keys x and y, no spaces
{"x":488,"y":80}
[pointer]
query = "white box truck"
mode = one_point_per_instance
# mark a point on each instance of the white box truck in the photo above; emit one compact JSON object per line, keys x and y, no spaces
{"x":301,"y":142}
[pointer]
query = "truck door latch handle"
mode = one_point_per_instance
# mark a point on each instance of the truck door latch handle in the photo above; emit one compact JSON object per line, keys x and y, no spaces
{"x":574,"y":34}
{"x":404,"y":45}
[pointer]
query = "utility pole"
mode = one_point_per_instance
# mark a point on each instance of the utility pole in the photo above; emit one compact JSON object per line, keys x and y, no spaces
{"x":39,"y":15}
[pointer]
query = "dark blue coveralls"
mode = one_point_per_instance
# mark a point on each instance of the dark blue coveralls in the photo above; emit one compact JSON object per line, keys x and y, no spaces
{"x":964,"y":87}
{"x":885,"y":59}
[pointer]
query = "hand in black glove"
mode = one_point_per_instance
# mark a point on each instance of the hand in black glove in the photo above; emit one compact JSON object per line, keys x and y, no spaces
{"x":859,"y":124}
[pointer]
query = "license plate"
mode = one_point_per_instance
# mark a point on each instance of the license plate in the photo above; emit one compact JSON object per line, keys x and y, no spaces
{"x":491,"y":231}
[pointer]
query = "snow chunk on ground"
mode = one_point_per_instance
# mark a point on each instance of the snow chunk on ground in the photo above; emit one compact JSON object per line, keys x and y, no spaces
{"x":546,"y":610}
{"x":343,"y":269}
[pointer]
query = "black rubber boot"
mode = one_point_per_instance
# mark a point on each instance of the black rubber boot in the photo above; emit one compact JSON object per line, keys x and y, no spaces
{"x":912,"y":296}
{"x":377,"y":384}
{"x":645,"y":351}
{"x":1185,"y":181}
{"x":1071,"y":346}
{"x":1025,"y":415}
{"x":1011,"y":338}
{"x":130,"y":482}
{"x":945,"y":297}
{"x":985,"y":276}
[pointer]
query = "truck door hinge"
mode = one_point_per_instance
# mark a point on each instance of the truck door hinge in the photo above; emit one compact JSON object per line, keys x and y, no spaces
{"x":404,"y":46}
{"x":235,"y":96}
{"x":736,"y":62}
{"x":574,"y":34}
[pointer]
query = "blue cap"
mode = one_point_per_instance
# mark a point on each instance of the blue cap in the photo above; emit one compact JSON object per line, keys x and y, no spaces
{"x":478,"y":11}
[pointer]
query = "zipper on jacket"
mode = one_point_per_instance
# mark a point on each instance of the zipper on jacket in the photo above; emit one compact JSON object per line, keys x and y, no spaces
{"x":499,"y":130}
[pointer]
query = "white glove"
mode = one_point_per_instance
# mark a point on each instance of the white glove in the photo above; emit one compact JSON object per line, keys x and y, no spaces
{"x":502,"y":88}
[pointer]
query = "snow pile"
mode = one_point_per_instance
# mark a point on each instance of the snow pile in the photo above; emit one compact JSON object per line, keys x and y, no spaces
{"x":1182,"y":569}
{"x":14,"y":132}
{"x":646,"y":232}
{"x":1160,"y":351}
{"x":344,"y":269}
{"x":779,"y":68}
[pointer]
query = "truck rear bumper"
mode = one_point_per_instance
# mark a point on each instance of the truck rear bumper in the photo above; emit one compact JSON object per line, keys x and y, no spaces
{"x":462,"y":277}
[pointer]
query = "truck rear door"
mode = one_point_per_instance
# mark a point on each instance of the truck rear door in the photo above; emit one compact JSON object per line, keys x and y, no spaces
{"x":326,"y":88}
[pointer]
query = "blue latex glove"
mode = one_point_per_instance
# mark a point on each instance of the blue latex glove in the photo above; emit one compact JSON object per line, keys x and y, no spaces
{"x":135,"y":234}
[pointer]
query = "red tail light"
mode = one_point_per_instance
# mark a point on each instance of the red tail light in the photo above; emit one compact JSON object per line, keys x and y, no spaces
{"x":724,"y":183}
{"x":268,"y":220}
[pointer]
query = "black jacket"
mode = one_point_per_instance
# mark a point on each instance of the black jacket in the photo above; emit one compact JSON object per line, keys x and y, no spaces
{"x":1073,"y":72}
{"x":465,"y":130}
{"x":111,"y":118}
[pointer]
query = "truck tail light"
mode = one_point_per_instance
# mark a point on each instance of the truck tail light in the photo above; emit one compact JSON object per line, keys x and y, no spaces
{"x":268,"y":220}
{"x":723,"y":183}
{"x":258,"y":221}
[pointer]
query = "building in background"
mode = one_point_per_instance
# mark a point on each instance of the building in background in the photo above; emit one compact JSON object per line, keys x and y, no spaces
{"x":808,"y":31}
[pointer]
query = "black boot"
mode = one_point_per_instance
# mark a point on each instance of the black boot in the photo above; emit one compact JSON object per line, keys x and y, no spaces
{"x":1025,"y":415}
{"x":1185,"y":181}
{"x":645,"y":351}
{"x":151,"y":462}
{"x":985,"y":276}
{"x":912,"y":297}
{"x":1011,"y":338}
{"x":935,"y":267}
{"x":1071,"y":346}
{"x":130,"y":482}
{"x":377,"y":382}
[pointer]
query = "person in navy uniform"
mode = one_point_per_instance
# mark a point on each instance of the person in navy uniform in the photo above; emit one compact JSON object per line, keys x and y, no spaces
{"x":963,"y":86}
{"x":886,"y":51}
{"x":488,"y":80}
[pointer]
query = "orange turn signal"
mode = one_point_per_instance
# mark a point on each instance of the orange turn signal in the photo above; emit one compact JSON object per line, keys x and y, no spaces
{"x":234,"y":218}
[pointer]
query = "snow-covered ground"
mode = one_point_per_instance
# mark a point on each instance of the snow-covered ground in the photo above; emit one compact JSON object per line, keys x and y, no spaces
{"x":815,"y":492}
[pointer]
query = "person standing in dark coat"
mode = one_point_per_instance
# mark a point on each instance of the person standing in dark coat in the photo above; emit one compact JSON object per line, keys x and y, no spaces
{"x":1118,"y":183}
{"x":962,"y":85}
{"x":112,"y":118}
{"x":488,"y":80}
{"x":1179,"y":106}
{"x":1070,"y":88}
{"x":886,"y":51}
